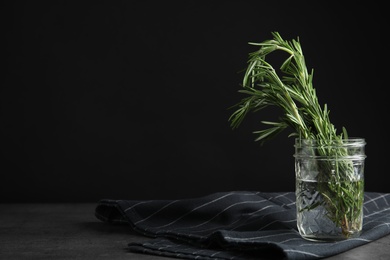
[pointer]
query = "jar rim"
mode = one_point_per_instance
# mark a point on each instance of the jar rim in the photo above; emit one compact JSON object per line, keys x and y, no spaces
{"x":331,"y":142}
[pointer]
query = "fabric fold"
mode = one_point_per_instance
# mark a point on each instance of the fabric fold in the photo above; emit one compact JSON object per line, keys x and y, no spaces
{"x":234,"y":225}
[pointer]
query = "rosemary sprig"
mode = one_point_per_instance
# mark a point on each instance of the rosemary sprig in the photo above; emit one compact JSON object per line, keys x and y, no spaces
{"x":295,"y":95}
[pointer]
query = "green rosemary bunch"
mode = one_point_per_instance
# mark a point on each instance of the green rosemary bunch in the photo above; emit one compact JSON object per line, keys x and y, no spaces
{"x":295,"y":95}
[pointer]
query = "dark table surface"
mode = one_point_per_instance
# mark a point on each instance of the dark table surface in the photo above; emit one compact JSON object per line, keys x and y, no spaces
{"x":71,"y":231}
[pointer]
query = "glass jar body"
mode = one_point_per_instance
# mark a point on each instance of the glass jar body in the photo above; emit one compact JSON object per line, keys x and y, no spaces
{"x":329,"y":188}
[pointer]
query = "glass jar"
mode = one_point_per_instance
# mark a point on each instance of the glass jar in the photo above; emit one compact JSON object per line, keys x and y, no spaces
{"x":329,"y":188}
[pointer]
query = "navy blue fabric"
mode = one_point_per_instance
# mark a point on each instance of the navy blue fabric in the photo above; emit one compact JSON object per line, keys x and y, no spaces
{"x":235,"y":225}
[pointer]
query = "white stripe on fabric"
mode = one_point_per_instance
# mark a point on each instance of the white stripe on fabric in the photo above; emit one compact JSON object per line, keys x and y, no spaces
{"x":156,"y":212}
{"x":377,"y":212}
{"x":382,"y":224}
{"x":260,"y":237}
{"x":226,"y":226}
{"x":292,"y":203}
{"x":302,"y":252}
{"x":282,"y":195}
{"x":259,"y":210}
{"x":333,"y":244}
{"x":366,"y":222}
{"x":201,"y":206}
{"x":139,"y":203}
{"x":286,"y":221}
{"x":167,"y":246}
{"x":255,"y":218}
{"x":207,"y":221}
{"x":383,"y":196}
{"x":372,"y":200}
{"x":377,"y":198}
{"x":356,"y":238}
{"x":288,"y":240}
{"x":217,"y":227}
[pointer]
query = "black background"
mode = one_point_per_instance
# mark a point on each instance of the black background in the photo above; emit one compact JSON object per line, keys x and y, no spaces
{"x":129,"y":99}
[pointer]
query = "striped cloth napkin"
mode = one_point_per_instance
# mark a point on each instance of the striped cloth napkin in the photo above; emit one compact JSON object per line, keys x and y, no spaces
{"x":234,"y":225}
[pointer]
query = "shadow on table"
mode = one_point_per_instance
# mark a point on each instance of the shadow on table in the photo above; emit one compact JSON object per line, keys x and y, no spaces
{"x":109,"y":228}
